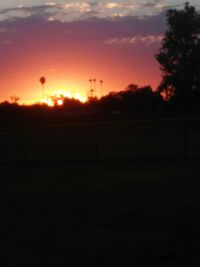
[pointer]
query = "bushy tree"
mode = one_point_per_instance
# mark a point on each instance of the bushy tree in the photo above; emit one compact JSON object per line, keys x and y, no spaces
{"x":179,"y":56}
{"x":132,"y":99}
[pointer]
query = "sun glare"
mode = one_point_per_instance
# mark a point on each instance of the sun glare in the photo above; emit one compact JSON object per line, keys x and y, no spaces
{"x":49,"y":102}
{"x":57,"y":98}
{"x":59,"y":102}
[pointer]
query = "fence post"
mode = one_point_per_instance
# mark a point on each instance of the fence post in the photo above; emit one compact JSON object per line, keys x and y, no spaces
{"x":184,"y":140}
{"x":96,"y":143}
{"x":23,"y":144}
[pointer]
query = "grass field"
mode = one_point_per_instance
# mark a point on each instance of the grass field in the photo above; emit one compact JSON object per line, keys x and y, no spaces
{"x":101,"y":141}
{"x":136,"y":214}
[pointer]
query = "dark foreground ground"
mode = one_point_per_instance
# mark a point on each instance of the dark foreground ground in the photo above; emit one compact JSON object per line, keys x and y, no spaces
{"x":136,"y":214}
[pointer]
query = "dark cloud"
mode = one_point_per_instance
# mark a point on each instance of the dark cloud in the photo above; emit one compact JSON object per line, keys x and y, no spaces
{"x":98,"y":29}
{"x":71,"y":11}
{"x":150,"y":4}
{"x":53,"y":11}
{"x":42,"y":11}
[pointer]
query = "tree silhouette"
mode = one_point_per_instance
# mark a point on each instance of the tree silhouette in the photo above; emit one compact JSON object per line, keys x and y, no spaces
{"x":14,"y":99}
{"x":132,"y":87}
{"x":179,"y":56}
{"x":132,"y":99}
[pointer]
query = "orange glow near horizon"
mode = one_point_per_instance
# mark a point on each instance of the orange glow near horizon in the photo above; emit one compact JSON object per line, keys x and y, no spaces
{"x":72,"y":78}
{"x":75,"y":95}
{"x":73,"y":81}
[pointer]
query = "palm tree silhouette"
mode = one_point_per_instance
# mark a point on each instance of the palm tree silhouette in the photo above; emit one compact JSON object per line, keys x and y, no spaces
{"x":101,"y":88}
{"x":91,"y":89}
{"x":94,"y":81}
{"x":90,"y":80}
{"x":42,"y":81}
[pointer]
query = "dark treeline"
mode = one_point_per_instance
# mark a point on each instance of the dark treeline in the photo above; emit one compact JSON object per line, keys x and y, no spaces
{"x":128,"y":102}
{"x":131,"y":100}
{"x":178,"y":92}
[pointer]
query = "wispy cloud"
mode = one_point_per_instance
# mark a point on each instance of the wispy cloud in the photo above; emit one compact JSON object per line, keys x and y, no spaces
{"x":7,"y":42}
{"x":111,"y":5}
{"x":145,"y":40}
{"x":78,"y":6}
{"x":3,"y":29}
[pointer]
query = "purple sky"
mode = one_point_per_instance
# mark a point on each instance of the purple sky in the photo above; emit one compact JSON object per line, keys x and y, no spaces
{"x":70,"y":42}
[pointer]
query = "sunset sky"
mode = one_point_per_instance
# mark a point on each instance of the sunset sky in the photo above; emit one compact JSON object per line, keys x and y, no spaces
{"x":70,"y":42}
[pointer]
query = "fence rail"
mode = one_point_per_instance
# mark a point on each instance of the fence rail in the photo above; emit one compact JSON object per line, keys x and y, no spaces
{"x":150,"y":139}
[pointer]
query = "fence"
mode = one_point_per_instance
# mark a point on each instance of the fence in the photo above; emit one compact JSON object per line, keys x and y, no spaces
{"x":119,"y":140}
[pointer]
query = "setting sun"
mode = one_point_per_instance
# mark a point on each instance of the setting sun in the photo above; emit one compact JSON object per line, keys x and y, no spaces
{"x":59,"y":102}
{"x":57,"y":97}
